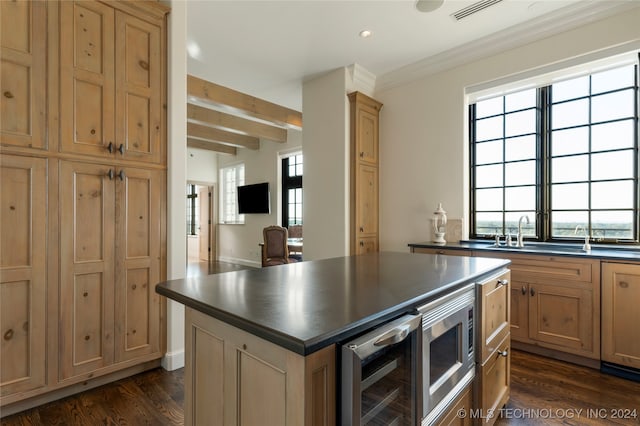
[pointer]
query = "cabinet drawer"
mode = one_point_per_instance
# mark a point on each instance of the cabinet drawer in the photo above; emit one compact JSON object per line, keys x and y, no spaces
{"x":492,"y":385}
{"x":462,"y":404}
{"x":494,"y":312}
{"x":448,"y":252}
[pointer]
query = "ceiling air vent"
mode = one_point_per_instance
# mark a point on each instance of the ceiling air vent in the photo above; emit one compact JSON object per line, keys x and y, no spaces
{"x":474,"y":8}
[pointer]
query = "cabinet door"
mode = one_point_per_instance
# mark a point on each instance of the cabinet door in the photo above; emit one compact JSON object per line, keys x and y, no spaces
{"x":365,"y":113}
{"x":86,"y":267}
{"x":494,"y":313}
{"x":366,"y":200}
{"x":493,"y":383}
{"x":519,"y":310}
{"x":23,"y":73}
{"x":462,"y":404}
{"x":563,"y":316}
{"x":367,"y":245}
{"x":87,"y":78}
{"x":620,"y":314}
{"x":137,"y":254}
{"x":23,"y":215}
{"x":138,"y":89}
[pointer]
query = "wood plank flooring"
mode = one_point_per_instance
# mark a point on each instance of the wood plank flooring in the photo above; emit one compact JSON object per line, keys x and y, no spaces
{"x":553,"y":388}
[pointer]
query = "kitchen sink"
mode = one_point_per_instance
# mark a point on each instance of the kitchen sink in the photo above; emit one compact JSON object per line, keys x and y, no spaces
{"x":533,"y":248}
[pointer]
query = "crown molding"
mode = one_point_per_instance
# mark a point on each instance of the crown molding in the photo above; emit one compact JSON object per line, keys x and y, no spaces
{"x":362,"y":79}
{"x":544,"y":26}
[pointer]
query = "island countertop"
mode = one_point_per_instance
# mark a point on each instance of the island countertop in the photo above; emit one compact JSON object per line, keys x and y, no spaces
{"x":309,"y":305}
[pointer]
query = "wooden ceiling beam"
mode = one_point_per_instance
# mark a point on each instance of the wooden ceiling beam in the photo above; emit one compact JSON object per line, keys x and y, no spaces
{"x":226,"y":121}
{"x":206,"y":91}
{"x":216,"y":135}
{"x":211,"y":146}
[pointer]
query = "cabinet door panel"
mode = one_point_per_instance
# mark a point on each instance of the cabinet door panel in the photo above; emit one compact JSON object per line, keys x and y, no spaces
{"x":138,"y":88}
{"x":494,"y":311}
{"x":22,"y":273}
{"x":493,"y":382}
{"x":562,"y":316}
{"x":87,"y":77}
{"x":620,"y":314}
{"x":23,"y":73}
{"x":367,"y":200}
{"x":86,"y":267}
{"x":137,"y":254}
{"x":519,"y":311}
{"x":367,"y":134}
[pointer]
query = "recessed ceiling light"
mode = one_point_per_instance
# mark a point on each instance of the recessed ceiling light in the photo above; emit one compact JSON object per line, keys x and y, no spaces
{"x":193,"y":49}
{"x":428,"y":5}
{"x":365,"y":33}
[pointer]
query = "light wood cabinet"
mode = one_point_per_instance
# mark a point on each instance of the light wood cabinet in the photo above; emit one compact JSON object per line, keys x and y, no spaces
{"x":233,"y":377}
{"x":493,"y":383}
{"x":365,"y":116}
{"x":493,"y":348}
{"x":463,"y":404}
{"x":110,"y":258}
{"x":23,"y":75}
{"x":23,"y":216}
{"x":555,"y":303}
{"x":111,"y":83}
{"x":83,"y":229}
{"x":621,"y":314}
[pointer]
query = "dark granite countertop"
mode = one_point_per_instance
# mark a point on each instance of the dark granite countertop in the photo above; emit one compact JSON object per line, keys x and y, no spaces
{"x":604,"y":252}
{"x":309,"y":305}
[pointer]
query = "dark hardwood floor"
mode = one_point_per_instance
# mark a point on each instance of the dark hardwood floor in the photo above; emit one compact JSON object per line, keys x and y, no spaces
{"x":543,"y":392}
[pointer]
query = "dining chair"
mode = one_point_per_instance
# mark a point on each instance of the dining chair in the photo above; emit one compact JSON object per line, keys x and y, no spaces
{"x":275,"y":250}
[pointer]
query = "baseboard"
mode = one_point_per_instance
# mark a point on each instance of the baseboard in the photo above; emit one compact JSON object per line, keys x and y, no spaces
{"x":173,"y":360}
{"x":240,"y":261}
{"x":559,"y":355}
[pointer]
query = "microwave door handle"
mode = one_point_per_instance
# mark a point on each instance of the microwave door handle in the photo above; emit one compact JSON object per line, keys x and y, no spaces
{"x":394,"y":336}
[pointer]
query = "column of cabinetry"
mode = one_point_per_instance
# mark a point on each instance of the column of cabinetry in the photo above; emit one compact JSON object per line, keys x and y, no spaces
{"x":620,"y":314}
{"x":365,"y":116}
{"x":494,"y":347}
{"x":83,"y":175}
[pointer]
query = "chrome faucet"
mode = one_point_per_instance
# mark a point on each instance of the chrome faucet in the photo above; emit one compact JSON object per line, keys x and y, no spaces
{"x":586,"y":246}
{"x":519,"y":240}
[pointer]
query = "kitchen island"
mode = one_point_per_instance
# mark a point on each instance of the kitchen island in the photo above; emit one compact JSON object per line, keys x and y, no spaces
{"x":261,"y":344}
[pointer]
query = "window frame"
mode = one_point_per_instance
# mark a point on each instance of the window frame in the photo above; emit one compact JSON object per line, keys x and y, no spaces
{"x":543,"y":181}
{"x":289,"y":182}
{"x":192,"y":206}
{"x":229,"y":194}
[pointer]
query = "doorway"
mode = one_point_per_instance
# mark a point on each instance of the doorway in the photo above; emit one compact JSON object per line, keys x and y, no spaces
{"x":201,"y":228}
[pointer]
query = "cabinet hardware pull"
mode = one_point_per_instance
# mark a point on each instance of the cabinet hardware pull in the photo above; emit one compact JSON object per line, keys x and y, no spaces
{"x":144,"y":65}
{"x":502,"y":282}
{"x":8,"y":95}
{"x":362,"y":155}
{"x":361,"y":243}
{"x":524,"y":290}
{"x":121,"y":149}
{"x":504,"y":353}
{"x":110,"y":147}
{"x":624,"y":284}
{"x":9,"y":334}
{"x":121,"y":175}
{"x":361,"y":229}
{"x":111,"y":174}
{"x":440,"y":251}
{"x":533,"y":292}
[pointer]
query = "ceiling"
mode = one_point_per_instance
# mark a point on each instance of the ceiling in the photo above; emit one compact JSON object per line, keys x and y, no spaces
{"x":268,"y":48}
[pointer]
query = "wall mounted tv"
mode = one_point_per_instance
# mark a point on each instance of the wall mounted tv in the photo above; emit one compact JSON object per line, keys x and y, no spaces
{"x":254,"y":198}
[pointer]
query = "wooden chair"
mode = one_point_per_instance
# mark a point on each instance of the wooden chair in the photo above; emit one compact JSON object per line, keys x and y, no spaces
{"x":275,"y":250}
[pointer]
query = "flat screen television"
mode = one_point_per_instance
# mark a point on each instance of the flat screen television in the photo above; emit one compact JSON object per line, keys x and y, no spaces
{"x":254,"y":198}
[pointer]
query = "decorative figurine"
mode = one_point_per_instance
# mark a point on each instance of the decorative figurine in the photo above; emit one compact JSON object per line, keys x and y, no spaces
{"x":439,"y":225}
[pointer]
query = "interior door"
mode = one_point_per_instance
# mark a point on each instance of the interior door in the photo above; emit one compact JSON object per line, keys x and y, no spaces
{"x":204,"y":228}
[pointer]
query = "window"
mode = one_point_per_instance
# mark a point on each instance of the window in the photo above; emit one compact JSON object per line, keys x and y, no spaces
{"x":292,"y":190}
{"x":192,"y":210}
{"x":230,"y":178}
{"x":564,"y":155}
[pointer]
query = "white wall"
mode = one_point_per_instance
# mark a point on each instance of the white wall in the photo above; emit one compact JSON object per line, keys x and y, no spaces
{"x":202,"y":166}
{"x":239,"y":243}
{"x":176,"y":177}
{"x":423,"y":135}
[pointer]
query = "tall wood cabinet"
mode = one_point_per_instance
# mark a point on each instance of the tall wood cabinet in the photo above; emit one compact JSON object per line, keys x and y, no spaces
{"x":365,"y":118}
{"x":83,"y":183}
